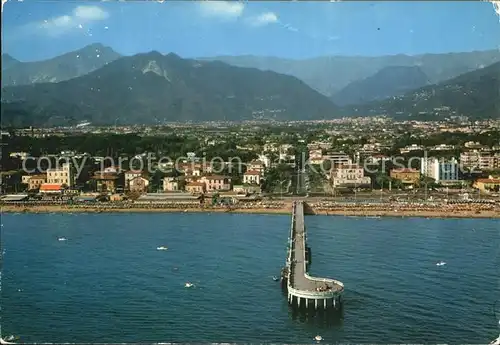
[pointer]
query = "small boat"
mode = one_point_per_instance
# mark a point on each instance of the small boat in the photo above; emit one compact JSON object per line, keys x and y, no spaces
{"x":441,"y":263}
{"x":7,"y":340}
{"x":496,"y":341}
{"x":276,"y":278}
{"x":189,"y":285}
{"x":318,"y":338}
{"x":161,"y":248}
{"x":62,"y":239}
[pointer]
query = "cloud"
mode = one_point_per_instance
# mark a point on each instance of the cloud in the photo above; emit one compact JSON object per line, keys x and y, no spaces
{"x":291,"y":28}
{"x":81,"y":15}
{"x":222,"y":9}
{"x":90,"y":13}
{"x":496,"y":7}
{"x":263,"y":19}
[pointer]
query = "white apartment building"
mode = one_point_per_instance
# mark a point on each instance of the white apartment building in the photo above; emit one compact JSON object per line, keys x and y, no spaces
{"x":479,"y":160}
{"x":62,"y":175}
{"x":338,"y":158}
{"x":440,"y":170}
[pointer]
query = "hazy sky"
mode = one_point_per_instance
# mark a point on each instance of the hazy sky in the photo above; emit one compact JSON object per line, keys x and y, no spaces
{"x":35,"y":30}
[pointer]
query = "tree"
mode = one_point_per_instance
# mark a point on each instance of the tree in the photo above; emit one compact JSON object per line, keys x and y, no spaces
{"x":382,"y":179}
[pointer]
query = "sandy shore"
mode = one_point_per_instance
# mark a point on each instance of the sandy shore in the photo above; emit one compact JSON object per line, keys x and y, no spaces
{"x":437,"y":213}
{"x":64,"y":209}
{"x":414,"y":213}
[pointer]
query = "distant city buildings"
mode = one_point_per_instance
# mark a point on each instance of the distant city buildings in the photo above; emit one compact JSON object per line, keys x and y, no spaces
{"x":266,"y":156}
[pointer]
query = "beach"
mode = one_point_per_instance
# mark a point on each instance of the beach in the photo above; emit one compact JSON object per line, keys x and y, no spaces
{"x":436,"y":211}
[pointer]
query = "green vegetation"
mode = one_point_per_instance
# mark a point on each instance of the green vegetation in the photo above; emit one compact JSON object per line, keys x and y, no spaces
{"x":153,"y":88}
{"x":473,"y":94}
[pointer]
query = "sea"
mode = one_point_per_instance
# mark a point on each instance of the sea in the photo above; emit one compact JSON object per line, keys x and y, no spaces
{"x":107,"y":282}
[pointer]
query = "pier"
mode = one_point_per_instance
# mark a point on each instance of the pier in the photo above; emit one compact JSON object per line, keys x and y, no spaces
{"x":302,"y":289}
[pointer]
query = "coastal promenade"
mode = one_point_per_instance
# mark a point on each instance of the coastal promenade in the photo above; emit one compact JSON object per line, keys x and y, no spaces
{"x":304,"y":290}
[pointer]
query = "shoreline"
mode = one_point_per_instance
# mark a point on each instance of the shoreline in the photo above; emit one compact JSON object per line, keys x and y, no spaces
{"x":438,"y":213}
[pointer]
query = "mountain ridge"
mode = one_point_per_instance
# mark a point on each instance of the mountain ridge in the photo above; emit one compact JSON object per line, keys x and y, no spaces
{"x":151,"y":87}
{"x":475,"y":94}
{"x":329,"y":74}
{"x":387,"y":82}
{"x":62,"y":67}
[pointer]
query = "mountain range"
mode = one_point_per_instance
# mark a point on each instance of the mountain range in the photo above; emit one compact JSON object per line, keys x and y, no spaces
{"x":97,"y":84}
{"x":330,"y":74}
{"x":60,"y":68}
{"x":151,"y":88}
{"x":388,"y":82}
{"x":475,"y":94}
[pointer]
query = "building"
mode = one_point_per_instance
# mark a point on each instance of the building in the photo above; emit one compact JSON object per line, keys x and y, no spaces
{"x":348,"y":175}
{"x":139,"y":184}
{"x":51,"y":188}
{"x":129,"y":176}
{"x":338,"y":158}
{"x":406,"y":175}
{"x":196,"y":187}
{"x":106,"y":182}
{"x":35,"y":181}
{"x":265,"y":160}
{"x":440,"y":170}
{"x":257,"y":165}
{"x":20,"y":155}
{"x":252,"y":177}
{"x":316,"y":156}
{"x":247,"y":189}
{"x":190,"y":168}
{"x":25,"y":178}
{"x":481,"y":160}
{"x":489,"y":184}
{"x":171,"y":184}
{"x":61,"y":175}
{"x":410,"y":148}
{"x":216,"y":183}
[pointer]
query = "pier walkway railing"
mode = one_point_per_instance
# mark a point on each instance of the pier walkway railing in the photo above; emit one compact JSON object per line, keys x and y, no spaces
{"x":301,"y":285}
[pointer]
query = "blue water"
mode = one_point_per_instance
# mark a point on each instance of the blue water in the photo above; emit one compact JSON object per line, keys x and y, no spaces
{"x":108,"y":283}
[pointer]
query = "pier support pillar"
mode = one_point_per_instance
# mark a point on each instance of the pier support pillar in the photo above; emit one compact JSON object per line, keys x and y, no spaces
{"x":315,"y":303}
{"x":334,"y":302}
{"x":324,"y":303}
{"x":307,"y":302}
{"x":298,"y":302}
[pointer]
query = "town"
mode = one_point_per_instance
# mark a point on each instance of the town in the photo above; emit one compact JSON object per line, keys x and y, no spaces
{"x":226,"y":164}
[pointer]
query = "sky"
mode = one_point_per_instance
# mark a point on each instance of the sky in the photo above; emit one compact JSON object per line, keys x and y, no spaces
{"x":35,"y":30}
